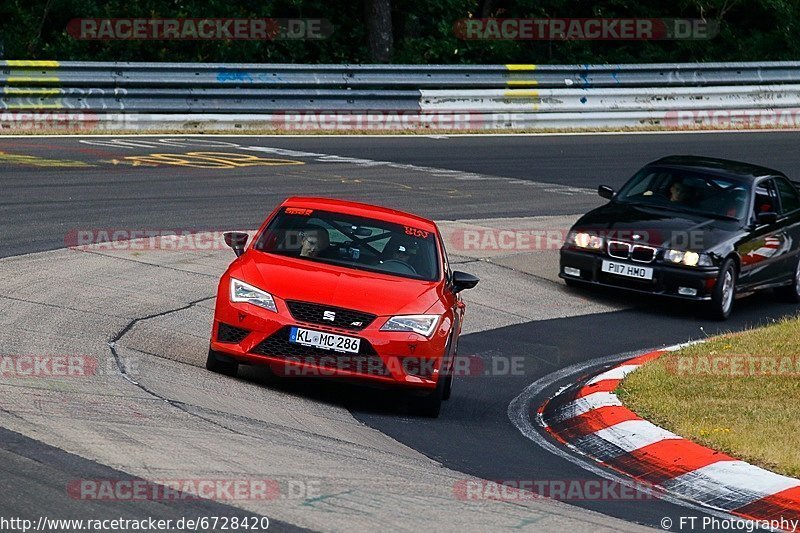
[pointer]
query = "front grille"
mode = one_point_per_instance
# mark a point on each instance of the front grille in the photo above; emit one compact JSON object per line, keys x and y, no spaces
{"x":230,"y":334}
{"x":620,"y":250}
{"x":643,"y":254}
{"x":635,"y":252}
{"x":342,"y":318}
{"x":366,"y":361}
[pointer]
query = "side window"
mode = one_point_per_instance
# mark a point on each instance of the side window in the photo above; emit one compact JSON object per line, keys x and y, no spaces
{"x":644,"y":186}
{"x":789,"y":199}
{"x":766,"y":197}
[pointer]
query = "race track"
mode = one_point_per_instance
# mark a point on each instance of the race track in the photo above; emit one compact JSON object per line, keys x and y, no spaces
{"x":154,"y":414}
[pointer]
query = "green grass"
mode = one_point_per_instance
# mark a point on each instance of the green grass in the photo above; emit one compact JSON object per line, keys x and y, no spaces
{"x":738,"y":393}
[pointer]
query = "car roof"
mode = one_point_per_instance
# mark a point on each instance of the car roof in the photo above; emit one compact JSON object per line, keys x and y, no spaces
{"x":719,"y":167}
{"x":359,"y":209}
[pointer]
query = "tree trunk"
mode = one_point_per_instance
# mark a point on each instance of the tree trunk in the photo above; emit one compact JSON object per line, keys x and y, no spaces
{"x":486,"y":8}
{"x":379,"y":29}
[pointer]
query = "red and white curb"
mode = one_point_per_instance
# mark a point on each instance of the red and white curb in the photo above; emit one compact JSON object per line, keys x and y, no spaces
{"x":591,"y":420}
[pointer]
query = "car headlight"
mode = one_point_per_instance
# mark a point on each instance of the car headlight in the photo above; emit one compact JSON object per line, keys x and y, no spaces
{"x":583,"y":239}
{"x":245,"y":293}
{"x":422,"y":324}
{"x":687,"y":258}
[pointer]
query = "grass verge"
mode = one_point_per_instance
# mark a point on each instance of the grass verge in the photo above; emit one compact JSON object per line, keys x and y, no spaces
{"x":738,"y":393}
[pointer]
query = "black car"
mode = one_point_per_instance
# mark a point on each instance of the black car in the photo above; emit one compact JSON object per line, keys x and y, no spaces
{"x":694,"y":228}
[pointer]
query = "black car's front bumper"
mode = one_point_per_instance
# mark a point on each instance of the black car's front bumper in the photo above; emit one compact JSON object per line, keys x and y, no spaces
{"x":666,"y":279}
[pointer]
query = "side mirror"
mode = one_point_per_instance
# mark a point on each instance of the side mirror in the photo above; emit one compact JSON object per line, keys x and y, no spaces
{"x":463,"y":281}
{"x":606,"y":192}
{"x":236,"y":240}
{"x":767,"y":218}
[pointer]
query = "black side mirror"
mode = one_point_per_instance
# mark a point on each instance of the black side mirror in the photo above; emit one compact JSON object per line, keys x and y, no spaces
{"x":236,"y":240}
{"x":463,"y":281}
{"x":606,"y":192}
{"x":767,"y":218}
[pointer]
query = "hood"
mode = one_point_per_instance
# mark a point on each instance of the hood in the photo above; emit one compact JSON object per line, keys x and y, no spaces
{"x":310,"y":281}
{"x":657,"y":227}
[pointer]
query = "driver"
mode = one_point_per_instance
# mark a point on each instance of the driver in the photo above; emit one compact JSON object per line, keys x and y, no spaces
{"x":678,"y":192}
{"x":402,"y":253}
{"x":402,"y":249}
{"x":313,"y":240}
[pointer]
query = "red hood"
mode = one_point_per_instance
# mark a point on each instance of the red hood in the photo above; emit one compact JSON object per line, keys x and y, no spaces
{"x":310,"y":281}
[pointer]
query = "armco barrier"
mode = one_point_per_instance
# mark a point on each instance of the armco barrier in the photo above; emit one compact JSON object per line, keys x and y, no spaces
{"x":180,"y":96}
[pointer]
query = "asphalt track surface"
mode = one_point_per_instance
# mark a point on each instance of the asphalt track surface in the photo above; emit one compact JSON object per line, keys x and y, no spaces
{"x":34,"y":476}
{"x":43,"y":201}
{"x":40,"y":204}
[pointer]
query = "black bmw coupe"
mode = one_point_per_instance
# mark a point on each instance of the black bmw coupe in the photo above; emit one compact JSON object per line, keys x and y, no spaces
{"x":694,"y":228}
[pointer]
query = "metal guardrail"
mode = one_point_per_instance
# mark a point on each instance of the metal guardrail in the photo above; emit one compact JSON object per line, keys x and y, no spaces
{"x":220,"y":96}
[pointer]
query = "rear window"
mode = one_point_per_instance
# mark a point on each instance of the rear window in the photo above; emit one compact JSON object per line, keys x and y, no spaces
{"x":351,"y":241}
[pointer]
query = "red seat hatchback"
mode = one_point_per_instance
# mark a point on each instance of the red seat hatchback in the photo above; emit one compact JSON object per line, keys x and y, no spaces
{"x":345,"y":290}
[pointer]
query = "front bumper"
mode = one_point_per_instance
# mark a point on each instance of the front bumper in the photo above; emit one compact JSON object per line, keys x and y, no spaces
{"x":667,"y":280}
{"x":386,"y":358}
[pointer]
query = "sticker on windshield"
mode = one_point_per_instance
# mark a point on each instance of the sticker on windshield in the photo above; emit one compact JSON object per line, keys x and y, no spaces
{"x":298,"y":211}
{"x":416,"y":232}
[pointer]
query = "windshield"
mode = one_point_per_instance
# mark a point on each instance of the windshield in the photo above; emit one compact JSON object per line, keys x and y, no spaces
{"x":352,"y":241}
{"x":680,"y":190}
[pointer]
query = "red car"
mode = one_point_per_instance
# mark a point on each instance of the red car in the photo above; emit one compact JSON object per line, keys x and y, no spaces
{"x":345,"y":290}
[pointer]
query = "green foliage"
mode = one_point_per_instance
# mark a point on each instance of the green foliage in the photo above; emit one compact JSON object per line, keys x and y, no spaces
{"x":750,"y":30}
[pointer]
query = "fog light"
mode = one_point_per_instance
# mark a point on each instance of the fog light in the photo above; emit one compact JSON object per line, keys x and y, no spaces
{"x":569,"y":271}
{"x":687,"y":291}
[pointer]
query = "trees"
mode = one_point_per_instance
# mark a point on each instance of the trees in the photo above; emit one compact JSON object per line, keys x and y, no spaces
{"x":407,"y":31}
{"x":378,"y":15}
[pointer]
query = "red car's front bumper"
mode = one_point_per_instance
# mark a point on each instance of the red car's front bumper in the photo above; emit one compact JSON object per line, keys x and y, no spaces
{"x":260,"y":336}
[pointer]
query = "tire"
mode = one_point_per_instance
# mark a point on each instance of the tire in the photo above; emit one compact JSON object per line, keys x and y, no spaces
{"x":722,"y":296}
{"x":791,"y":293}
{"x":431,"y":404}
{"x":214,"y":364}
{"x":448,"y":387}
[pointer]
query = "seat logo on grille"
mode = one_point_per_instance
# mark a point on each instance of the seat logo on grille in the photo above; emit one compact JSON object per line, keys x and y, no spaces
{"x":329,"y":315}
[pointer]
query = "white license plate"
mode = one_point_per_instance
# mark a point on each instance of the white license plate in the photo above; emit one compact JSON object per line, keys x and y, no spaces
{"x":326,"y":341}
{"x":625,"y":269}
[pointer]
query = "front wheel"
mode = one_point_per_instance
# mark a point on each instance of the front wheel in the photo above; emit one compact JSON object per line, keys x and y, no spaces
{"x":791,"y":293}
{"x":448,"y":387}
{"x":215,"y":364}
{"x":430,"y":404}
{"x":724,"y":291}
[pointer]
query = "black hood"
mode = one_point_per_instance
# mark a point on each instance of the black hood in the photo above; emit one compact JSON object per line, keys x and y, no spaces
{"x":656,"y":226}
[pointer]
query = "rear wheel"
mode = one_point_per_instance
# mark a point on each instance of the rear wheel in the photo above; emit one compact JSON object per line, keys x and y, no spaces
{"x":724,"y":291}
{"x":221,"y":364}
{"x":791,"y":293}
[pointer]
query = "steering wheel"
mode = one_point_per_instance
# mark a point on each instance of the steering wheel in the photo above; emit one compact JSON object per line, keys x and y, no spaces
{"x":399,"y":267}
